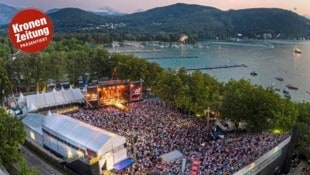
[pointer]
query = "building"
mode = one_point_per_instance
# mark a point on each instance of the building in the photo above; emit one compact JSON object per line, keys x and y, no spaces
{"x":74,"y":141}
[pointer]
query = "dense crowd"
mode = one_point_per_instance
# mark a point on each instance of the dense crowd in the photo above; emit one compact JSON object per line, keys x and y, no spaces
{"x":155,"y":129}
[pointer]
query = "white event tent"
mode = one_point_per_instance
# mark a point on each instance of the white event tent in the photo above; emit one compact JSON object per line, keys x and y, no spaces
{"x":53,"y":98}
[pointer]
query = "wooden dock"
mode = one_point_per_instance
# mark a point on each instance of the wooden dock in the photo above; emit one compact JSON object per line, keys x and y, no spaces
{"x":217,"y":67}
{"x":172,"y":57}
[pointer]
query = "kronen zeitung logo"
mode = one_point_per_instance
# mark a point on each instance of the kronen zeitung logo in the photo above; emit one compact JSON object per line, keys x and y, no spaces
{"x":30,"y":30}
{"x":23,"y":31}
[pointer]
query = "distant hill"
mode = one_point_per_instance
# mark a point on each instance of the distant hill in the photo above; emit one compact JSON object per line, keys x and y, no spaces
{"x":6,"y":13}
{"x":178,"y":18}
{"x":251,"y":22}
{"x":168,"y":22}
{"x":209,"y":22}
{"x":53,"y":10}
{"x":73,"y":18}
{"x":102,"y":12}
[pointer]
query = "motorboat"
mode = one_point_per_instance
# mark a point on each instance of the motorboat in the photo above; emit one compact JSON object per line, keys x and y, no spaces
{"x":279,"y":78}
{"x":285,"y":91}
{"x":297,"y":50}
{"x":253,"y":73}
{"x":289,"y":86}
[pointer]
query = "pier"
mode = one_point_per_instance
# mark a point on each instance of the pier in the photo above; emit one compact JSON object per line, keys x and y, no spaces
{"x":217,"y":67}
{"x":138,"y":51}
{"x":172,"y":57}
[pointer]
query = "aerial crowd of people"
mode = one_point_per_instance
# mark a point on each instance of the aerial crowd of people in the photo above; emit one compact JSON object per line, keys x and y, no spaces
{"x":153,"y":129}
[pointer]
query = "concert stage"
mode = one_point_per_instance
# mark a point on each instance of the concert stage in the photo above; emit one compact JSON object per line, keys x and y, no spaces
{"x":114,"y":93}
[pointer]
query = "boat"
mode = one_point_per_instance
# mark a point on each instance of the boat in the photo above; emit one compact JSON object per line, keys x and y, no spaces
{"x":253,"y":73}
{"x":289,"y":86}
{"x":297,"y":50}
{"x":285,"y":91}
{"x":287,"y":95}
{"x":279,"y":78}
{"x":277,"y":89}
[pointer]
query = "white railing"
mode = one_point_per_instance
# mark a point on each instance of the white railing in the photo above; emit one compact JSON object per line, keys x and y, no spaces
{"x":264,"y":161}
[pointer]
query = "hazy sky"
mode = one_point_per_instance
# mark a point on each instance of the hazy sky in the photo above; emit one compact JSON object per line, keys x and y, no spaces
{"x":302,"y":7}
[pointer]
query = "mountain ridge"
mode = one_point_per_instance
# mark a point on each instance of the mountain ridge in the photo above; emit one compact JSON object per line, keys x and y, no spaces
{"x":194,"y":20}
{"x":6,"y":13}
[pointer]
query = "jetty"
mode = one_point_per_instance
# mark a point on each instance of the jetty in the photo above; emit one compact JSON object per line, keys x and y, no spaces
{"x":172,"y":57}
{"x":138,"y":51}
{"x":217,"y":67}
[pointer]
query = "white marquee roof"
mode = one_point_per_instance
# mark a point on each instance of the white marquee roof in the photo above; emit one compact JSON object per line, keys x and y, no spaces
{"x":54,"y":98}
{"x":34,"y":121}
{"x":82,"y":134}
{"x":21,"y":98}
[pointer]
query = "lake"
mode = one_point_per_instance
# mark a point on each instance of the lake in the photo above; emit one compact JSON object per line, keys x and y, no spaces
{"x":269,"y":59}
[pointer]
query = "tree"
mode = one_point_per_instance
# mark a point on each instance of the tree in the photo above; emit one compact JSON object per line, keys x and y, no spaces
{"x":234,"y":105}
{"x":77,"y":64}
{"x":133,"y":68}
{"x":285,"y":115}
{"x":100,"y":63}
{"x":260,"y":108}
{"x":191,"y":93}
{"x":303,"y":130}
{"x":169,"y":87}
{"x":12,"y":134}
{"x":5,"y":82}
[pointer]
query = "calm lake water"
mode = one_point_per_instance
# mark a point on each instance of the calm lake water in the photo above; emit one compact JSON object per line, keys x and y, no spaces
{"x":269,"y":59}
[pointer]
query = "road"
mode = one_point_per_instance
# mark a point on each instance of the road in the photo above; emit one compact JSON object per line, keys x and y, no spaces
{"x":38,"y":163}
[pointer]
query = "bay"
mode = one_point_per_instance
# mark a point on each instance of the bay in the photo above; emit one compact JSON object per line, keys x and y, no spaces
{"x":268,"y":58}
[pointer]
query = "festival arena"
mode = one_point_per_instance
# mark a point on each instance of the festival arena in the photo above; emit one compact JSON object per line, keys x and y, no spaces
{"x":156,"y":139}
{"x":152,"y":129}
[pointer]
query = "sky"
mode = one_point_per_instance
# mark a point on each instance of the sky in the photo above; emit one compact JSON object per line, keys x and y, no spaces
{"x":301,"y":7}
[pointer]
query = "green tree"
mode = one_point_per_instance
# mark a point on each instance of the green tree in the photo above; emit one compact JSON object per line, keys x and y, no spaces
{"x":303,"y":130}
{"x":100,"y":63}
{"x":260,"y":108}
{"x":234,"y":105}
{"x":77,"y":64}
{"x":5,"y":82}
{"x":188,"y":92}
{"x":12,"y":134}
{"x":133,"y":68}
{"x":170,"y":88}
{"x":285,"y":115}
